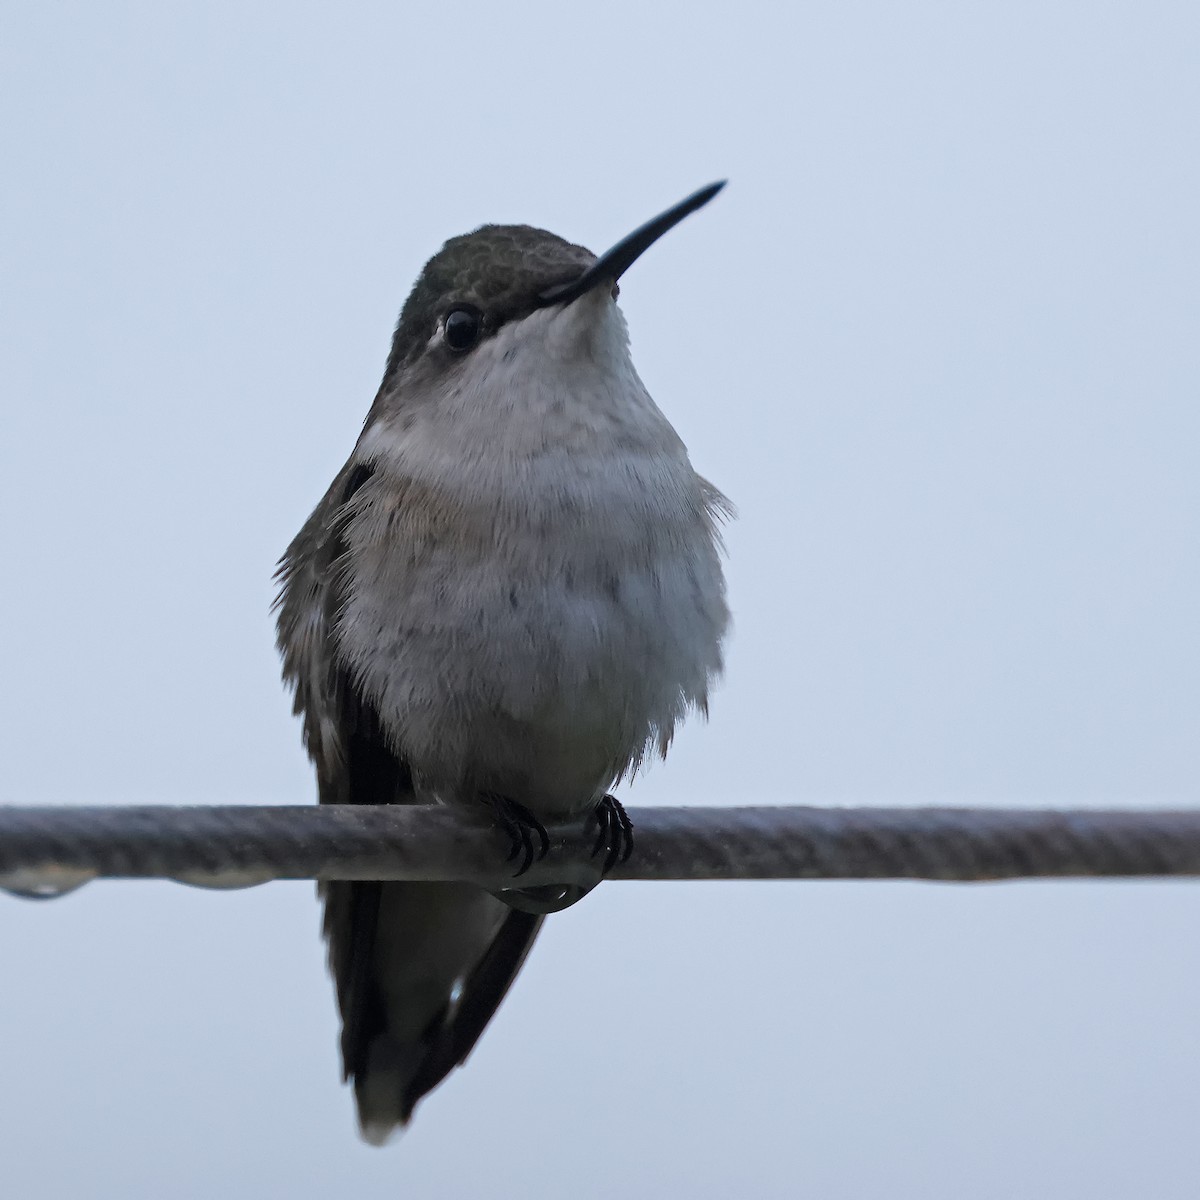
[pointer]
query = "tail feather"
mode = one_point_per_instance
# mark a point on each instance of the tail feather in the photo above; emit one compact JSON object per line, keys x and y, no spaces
{"x":421,"y":969}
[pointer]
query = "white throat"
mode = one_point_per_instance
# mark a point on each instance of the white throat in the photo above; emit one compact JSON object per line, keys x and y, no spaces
{"x":560,"y":379}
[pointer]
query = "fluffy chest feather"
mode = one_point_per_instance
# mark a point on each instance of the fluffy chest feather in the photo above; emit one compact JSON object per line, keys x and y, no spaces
{"x":534,"y":595}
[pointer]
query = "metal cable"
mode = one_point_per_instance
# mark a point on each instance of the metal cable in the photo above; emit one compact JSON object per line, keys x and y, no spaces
{"x":47,"y":851}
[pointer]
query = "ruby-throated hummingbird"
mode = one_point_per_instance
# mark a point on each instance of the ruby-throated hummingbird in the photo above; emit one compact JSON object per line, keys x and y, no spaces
{"x":509,"y":596}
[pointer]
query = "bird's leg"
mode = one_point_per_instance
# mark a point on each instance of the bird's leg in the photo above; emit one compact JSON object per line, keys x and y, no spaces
{"x":615,"y":833}
{"x":522,"y":827}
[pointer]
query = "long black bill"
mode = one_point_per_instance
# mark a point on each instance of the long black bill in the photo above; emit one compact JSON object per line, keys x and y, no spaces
{"x":609,"y":267}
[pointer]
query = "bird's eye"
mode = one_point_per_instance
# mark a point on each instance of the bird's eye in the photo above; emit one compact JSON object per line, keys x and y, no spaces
{"x":461,"y":328}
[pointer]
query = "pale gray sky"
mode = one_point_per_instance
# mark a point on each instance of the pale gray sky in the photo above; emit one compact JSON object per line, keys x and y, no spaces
{"x":938,"y":341}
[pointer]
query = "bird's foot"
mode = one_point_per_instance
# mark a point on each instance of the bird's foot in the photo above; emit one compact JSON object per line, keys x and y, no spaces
{"x":615,"y":833}
{"x":522,"y":828}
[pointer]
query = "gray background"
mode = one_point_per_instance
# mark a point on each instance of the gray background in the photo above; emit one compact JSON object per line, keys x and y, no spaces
{"x":938,"y":340}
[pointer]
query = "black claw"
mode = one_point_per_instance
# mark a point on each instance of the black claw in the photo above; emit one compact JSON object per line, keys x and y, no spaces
{"x":543,"y":840}
{"x":627,"y":831}
{"x":520,"y":824}
{"x":615,"y":834}
{"x":603,"y":817}
{"x":614,"y":842}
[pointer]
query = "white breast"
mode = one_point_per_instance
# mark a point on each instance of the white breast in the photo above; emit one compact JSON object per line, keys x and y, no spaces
{"x":535,"y":596}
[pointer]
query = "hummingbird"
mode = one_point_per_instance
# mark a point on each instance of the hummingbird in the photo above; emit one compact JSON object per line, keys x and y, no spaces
{"x":509,"y":596}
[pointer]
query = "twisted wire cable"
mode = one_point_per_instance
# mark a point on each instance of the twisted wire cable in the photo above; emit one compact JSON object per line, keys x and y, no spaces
{"x":47,"y":851}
